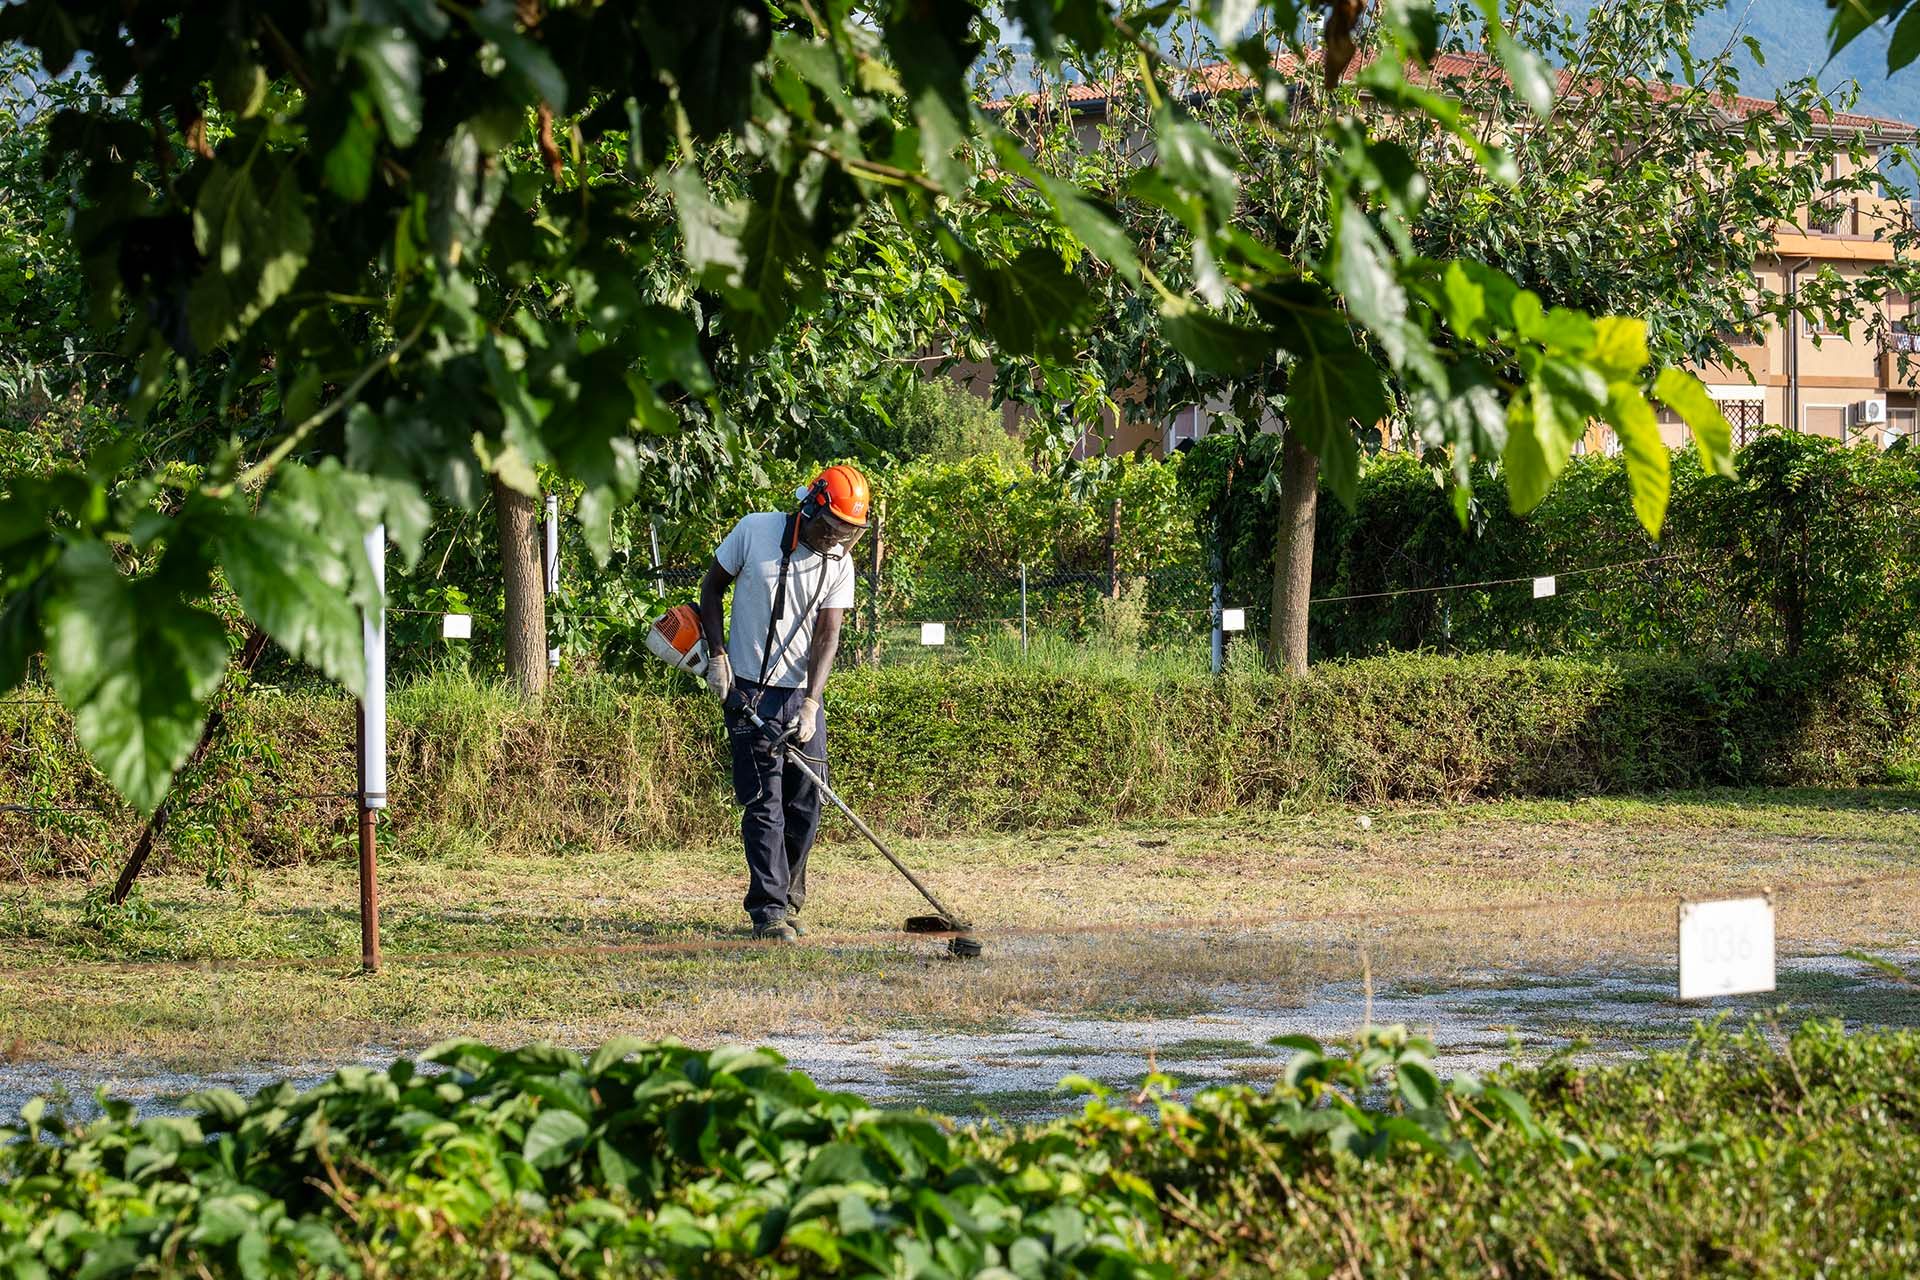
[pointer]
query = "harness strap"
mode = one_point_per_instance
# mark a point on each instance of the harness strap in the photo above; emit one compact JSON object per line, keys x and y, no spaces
{"x":788,"y":541}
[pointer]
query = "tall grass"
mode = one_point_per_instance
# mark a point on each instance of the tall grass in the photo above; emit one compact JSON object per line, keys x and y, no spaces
{"x":1060,"y":734}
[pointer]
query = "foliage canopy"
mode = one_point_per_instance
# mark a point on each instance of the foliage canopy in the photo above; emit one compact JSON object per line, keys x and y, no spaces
{"x":437,"y":244}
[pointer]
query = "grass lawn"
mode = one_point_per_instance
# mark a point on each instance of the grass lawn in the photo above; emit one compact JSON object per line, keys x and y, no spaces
{"x":1108,"y":922}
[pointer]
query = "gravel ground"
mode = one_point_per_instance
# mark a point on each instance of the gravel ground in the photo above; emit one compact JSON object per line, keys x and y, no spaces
{"x":1476,"y":1024}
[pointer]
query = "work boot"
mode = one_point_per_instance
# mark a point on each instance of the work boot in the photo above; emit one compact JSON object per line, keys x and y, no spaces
{"x":774,"y":931}
{"x":793,"y":923}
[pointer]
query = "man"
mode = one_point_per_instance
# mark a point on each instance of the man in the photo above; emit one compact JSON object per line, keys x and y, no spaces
{"x":792,"y":579}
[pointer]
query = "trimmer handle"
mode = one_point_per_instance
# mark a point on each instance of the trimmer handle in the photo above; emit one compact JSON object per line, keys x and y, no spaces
{"x":736,"y":701}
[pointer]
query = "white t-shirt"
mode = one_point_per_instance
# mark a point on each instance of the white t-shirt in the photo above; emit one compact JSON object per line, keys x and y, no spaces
{"x":751,"y":553}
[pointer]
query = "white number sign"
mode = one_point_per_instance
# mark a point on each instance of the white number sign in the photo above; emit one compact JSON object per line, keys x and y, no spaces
{"x":933,"y":633}
{"x":456,"y":626}
{"x":1233,"y":619}
{"x":1545,"y":587}
{"x":1726,"y":947}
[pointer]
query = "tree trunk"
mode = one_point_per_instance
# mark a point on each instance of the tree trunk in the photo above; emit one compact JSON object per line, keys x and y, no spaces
{"x":1293,"y":556}
{"x":526,"y":587}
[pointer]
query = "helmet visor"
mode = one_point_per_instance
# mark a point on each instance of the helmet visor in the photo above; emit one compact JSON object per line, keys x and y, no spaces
{"x":832,"y":534}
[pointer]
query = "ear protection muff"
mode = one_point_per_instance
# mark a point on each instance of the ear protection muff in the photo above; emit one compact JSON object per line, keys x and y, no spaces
{"x":812,"y":498}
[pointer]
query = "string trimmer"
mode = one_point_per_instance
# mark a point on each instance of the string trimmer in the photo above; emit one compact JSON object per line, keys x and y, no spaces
{"x":676,"y":640}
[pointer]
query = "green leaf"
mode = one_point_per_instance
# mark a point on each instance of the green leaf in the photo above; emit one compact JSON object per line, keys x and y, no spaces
{"x":1466,"y":303}
{"x":251,"y":1254}
{"x":1648,"y":463}
{"x":1851,"y":17}
{"x":1562,"y":399}
{"x":1093,"y":226}
{"x":406,"y":513}
{"x":390,"y":60}
{"x":294,"y":585}
{"x":1530,"y":77}
{"x":1228,"y":18}
{"x":1534,"y":456}
{"x":776,"y":237}
{"x":1362,"y":271}
{"x":1619,"y":346}
{"x":710,"y":235}
{"x":1327,"y":391}
{"x":617,"y":1169}
{"x":340,"y":508}
{"x":221,"y":1104}
{"x":135,"y":664}
{"x":1212,"y":344}
{"x":1193,"y":159}
{"x":1300,"y":1042}
{"x":1034,"y":306}
{"x":1905,"y":45}
{"x":20,"y":629}
{"x":941,"y":138}
{"x":553,"y":1137}
{"x":225,"y":1218}
{"x":524,"y":56}
{"x":671,"y":347}
{"x":1687,"y":396}
{"x":614,"y":1052}
{"x":256,"y":240}
{"x":348,"y":162}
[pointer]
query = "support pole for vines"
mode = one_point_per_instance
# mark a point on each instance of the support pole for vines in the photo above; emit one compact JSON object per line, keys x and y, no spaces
{"x":256,"y":644}
{"x":553,"y":569}
{"x":372,"y":745}
{"x":1023,"y":608}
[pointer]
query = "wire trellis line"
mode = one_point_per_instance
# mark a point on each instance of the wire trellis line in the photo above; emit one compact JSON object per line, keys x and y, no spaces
{"x":1492,"y":582}
{"x":104,"y":807}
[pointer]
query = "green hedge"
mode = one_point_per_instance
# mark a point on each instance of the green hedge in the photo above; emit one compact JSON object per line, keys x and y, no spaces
{"x":1813,"y":548}
{"x":1735,"y":1156}
{"x":978,"y":747}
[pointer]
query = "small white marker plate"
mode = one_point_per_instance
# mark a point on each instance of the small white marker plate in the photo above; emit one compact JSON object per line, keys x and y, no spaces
{"x":1545,"y":587}
{"x":1726,"y":947}
{"x":933,"y":633}
{"x":1233,"y":619}
{"x":456,"y":626}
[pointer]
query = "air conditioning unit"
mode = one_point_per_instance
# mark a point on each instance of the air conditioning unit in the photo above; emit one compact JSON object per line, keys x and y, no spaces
{"x":1868,"y":413}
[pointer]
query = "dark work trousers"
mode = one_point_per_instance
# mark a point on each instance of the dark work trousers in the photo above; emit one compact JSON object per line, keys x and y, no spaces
{"x":782,"y":804}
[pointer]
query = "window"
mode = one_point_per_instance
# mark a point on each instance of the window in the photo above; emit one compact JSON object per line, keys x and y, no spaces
{"x":1834,"y":218}
{"x":1186,"y":426}
{"x":1829,"y":420}
{"x":1820,"y":327}
{"x":1745,"y":417}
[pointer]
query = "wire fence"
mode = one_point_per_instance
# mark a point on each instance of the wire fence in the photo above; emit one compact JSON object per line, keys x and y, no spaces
{"x":951,"y":613}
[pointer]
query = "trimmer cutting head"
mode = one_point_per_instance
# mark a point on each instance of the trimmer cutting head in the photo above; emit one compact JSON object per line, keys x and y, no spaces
{"x":963,"y":947}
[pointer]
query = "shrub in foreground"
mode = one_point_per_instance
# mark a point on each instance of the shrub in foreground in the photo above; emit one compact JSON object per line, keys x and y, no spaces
{"x":656,"y":1159}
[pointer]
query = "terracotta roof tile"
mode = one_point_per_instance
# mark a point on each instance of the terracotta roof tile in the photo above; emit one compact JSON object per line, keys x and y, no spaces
{"x":1221,"y":77}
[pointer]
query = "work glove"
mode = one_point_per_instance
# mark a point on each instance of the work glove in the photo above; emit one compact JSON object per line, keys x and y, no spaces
{"x":809,"y":720}
{"x":720,"y":676}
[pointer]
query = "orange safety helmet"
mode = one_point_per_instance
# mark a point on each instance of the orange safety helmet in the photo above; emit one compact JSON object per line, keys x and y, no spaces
{"x":839,"y":489}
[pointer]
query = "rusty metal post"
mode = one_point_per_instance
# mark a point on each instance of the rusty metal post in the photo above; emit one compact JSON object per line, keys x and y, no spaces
{"x":369,"y":885}
{"x":1113,"y":552}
